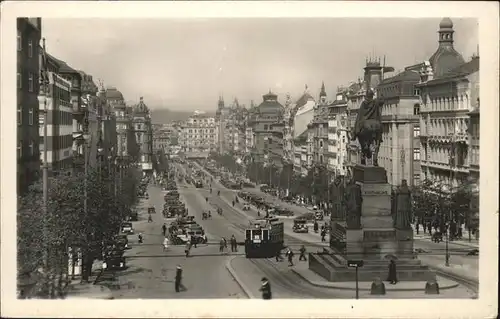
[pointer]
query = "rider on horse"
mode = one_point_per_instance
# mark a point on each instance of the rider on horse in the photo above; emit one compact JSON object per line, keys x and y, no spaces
{"x":368,"y":127}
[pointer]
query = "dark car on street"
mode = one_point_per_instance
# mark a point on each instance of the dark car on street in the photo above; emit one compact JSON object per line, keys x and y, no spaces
{"x":114,"y":260}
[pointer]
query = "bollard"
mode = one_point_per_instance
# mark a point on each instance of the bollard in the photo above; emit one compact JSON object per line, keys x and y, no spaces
{"x":432,"y":287}
{"x":378,"y":287}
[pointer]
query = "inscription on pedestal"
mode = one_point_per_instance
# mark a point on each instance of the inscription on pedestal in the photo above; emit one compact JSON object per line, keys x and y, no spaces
{"x":379,"y":235}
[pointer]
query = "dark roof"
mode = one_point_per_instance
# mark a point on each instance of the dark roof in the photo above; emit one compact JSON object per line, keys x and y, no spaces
{"x":407,"y":75}
{"x":302,"y":137}
{"x":463,"y":70}
{"x":445,"y":59}
{"x":113,"y":93}
{"x":63,"y":66}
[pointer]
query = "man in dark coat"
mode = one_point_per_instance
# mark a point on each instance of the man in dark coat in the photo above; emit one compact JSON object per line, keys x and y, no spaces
{"x":265,"y":288}
{"x":302,"y":253}
{"x":393,"y":279}
{"x":234,"y":245}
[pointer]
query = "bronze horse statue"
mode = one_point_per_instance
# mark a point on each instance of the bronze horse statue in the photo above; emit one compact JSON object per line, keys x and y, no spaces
{"x":368,"y":128}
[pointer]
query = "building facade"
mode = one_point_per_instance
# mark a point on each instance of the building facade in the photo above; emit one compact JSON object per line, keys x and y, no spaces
{"x":319,"y":125}
{"x":125,"y":139}
{"x":338,"y":137}
{"x":163,"y":136}
{"x":143,"y":136}
{"x":199,"y":135}
{"x":267,"y":124}
{"x":59,"y":126}
{"x":449,"y":94}
{"x":399,"y":152}
{"x":29,"y":32}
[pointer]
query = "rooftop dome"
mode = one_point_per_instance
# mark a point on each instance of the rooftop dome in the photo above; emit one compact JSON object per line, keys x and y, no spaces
{"x":113,"y":93}
{"x":446,"y":23}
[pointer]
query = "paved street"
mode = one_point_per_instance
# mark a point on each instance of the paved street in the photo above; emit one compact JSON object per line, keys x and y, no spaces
{"x":434,"y":255}
{"x":286,"y":284}
{"x":151,"y":271}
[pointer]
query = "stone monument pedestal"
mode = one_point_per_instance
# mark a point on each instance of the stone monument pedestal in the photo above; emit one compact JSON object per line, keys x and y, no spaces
{"x":377,"y":241}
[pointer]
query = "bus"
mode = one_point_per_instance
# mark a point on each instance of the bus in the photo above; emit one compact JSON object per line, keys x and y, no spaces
{"x":264,"y":238}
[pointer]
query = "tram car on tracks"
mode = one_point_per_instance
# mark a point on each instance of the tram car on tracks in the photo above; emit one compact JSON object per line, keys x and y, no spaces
{"x":264,"y":238}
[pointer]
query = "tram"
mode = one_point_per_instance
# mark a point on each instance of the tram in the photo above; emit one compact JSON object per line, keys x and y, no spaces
{"x":264,"y":238}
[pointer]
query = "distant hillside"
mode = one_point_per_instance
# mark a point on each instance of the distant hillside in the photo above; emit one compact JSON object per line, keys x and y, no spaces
{"x":164,"y":116}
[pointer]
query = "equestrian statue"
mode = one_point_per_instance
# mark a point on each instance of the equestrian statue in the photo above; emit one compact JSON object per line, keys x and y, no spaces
{"x":368,"y":127}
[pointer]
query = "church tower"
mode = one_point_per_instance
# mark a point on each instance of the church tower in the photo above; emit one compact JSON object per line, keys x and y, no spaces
{"x":322,"y":94}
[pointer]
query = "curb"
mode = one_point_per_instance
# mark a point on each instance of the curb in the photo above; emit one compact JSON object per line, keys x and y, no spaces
{"x":240,"y":283}
{"x":330,"y":286}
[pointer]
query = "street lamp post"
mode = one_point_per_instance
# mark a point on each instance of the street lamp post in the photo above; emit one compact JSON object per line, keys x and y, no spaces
{"x":42,"y":98}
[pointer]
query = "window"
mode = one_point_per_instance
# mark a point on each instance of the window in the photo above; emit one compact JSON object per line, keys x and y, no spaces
{"x":19,"y":149}
{"x":19,"y":41}
{"x":31,"y":85}
{"x":416,"y":109}
{"x":320,"y":143}
{"x":19,"y":80}
{"x":416,"y":92}
{"x":416,"y":154}
{"x":19,"y":115}
{"x":30,"y":48}
{"x":30,"y":118}
{"x":265,"y":127}
{"x":32,"y":148}
{"x":416,"y":131}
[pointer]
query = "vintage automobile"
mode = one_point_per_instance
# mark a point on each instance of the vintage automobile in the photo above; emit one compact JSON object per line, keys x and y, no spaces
{"x":151,"y":210}
{"x":121,"y":241}
{"x":318,"y":215}
{"x":114,"y":259}
{"x":127,"y":228}
{"x":300,"y":225}
{"x":246,"y":207}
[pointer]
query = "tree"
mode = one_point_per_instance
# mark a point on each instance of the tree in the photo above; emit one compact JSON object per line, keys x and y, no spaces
{"x":44,"y":237}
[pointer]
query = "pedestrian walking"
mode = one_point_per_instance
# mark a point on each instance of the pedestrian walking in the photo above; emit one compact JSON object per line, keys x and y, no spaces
{"x":323,"y":234}
{"x":265,"y":288}
{"x":233,"y":203}
{"x":290,"y":255}
{"x":178,"y":279}
{"x":193,"y":241}
{"x":234,"y":245}
{"x":278,"y":256}
{"x":187,"y":248}
{"x":417,"y":227}
{"x":150,"y":219}
{"x":164,"y":229}
{"x":165,"y":244}
{"x":225,"y":242}
{"x":392,"y":278}
{"x":302,"y":253}
{"x":315,"y":227}
{"x":221,"y":245}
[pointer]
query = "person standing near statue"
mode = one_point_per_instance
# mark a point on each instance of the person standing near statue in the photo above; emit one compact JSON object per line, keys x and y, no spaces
{"x":403,"y":214}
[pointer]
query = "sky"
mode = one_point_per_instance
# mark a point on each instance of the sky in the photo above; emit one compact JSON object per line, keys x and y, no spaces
{"x":185,"y":64}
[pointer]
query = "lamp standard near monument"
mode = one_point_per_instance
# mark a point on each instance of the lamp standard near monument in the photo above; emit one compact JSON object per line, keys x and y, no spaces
{"x":452,"y":162}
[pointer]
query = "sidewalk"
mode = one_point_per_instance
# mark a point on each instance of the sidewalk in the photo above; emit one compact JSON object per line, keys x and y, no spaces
{"x":474,"y":243}
{"x":78,"y":290}
{"x":406,"y":289}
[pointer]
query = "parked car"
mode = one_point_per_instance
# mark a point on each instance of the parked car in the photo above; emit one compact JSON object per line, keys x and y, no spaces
{"x":127,"y":228}
{"x":114,"y":259}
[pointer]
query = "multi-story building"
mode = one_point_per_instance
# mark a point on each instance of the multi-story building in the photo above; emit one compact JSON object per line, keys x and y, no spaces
{"x":125,"y":146}
{"x":221,"y":123}
{"x":107,"y":124}
{"x":59,"y":122}
{"x":399,"y":152}
{"x":338,"y":137}
{"x":267,"y":125}
{"x":319,"y":126}
{"x":199,"y":135}
{"x":29,"y":32}
{"x":301,"y":115}
{"x":141,"y":122}
{"x":449,"y":90}
{"x":163,"y":136}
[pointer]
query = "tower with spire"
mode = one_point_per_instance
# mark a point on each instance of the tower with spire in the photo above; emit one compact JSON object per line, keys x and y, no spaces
{"x":322,"y":94}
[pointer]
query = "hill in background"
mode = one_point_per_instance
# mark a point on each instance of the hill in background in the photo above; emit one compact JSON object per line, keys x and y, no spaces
{"x":164,"y":116}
